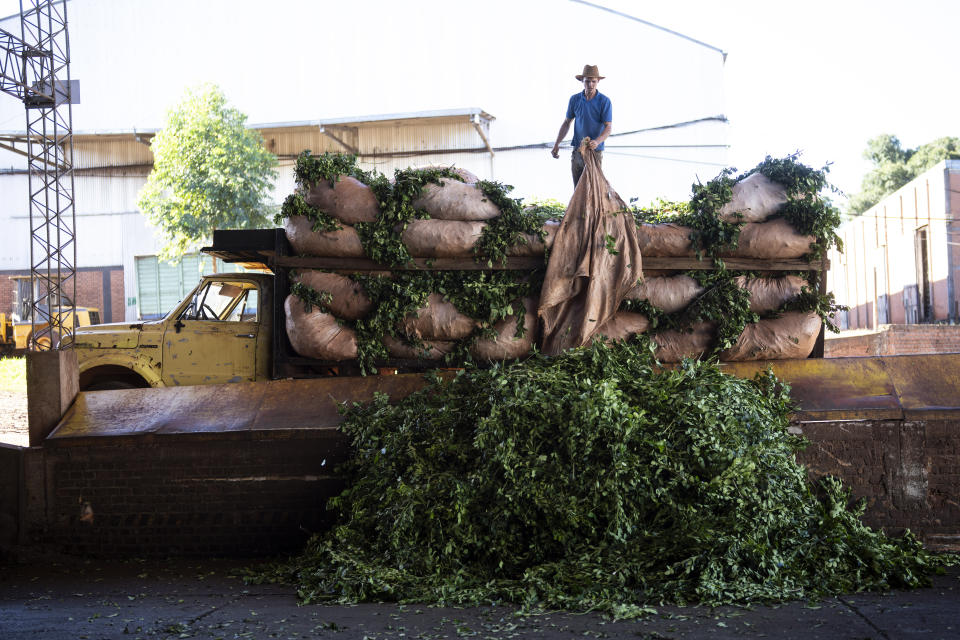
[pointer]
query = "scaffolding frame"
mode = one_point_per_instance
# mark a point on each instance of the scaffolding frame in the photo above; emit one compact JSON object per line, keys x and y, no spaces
{"x":47,"y":98}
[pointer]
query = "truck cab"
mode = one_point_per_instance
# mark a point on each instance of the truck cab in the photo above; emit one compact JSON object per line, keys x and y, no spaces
{"x":220,"y":332}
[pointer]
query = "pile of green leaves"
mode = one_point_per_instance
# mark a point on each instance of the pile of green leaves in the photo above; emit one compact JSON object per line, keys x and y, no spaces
{"x":485,"y":296}
{"x":593,"y":480}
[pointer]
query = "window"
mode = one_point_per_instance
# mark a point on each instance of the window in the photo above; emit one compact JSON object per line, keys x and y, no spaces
{"x":162,"y":285}
{"x":223,"y":301}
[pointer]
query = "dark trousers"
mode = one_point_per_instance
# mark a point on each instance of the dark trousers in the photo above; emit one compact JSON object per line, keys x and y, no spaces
{"x":576,"y":164}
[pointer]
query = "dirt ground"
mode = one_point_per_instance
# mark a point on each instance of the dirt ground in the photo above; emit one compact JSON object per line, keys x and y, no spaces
{"x":13,"y":418}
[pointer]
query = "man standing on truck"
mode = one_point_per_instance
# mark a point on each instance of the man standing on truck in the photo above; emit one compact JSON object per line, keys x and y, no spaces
{"x":593,"y":116}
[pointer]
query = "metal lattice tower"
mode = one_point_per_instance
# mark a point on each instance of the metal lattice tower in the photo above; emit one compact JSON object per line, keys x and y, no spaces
{"x":36,"y":68}
{"x":53,"y":246}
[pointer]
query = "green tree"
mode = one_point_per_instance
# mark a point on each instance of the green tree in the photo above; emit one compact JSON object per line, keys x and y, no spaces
{"x":209,"y":172}
{"x":894,"y":166}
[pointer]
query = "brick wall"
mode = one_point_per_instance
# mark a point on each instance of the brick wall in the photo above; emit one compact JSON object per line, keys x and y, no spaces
{"x":9,"y":493}
{"x":96,"y":286}
{"x":187,"y":494}
{"x":254,"y":493}
{"x":895,"y":339}
{"x":907,"y":471}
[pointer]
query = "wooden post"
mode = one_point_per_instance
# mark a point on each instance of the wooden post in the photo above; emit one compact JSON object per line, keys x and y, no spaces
{"x":52,"y":384}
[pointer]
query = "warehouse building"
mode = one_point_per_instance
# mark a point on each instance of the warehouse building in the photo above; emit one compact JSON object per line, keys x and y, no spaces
{"x":447,"y":94}
{"x":900,"y":269}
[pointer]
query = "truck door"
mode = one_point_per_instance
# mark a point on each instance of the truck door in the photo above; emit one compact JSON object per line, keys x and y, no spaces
{"x":214,"y":337}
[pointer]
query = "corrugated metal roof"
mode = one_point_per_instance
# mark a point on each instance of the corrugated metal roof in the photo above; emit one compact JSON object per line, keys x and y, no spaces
{"x":382,"y":120}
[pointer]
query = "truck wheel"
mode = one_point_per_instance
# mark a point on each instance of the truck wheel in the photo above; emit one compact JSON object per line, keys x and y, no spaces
{"x":44,"y":342}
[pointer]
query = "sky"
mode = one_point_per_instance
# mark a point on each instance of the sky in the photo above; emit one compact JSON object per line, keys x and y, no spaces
{"x":821,"y":77}
{"x":824,"y":77}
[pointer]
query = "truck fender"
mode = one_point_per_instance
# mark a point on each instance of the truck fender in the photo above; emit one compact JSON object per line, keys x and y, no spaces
{"x":107,"y":372}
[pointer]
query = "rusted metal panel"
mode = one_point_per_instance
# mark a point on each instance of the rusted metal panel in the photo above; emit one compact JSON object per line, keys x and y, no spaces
{"x":876,"y":388}
{"x":833,"y":388}
{"x":278,"y":404}
{"x":928,"y":386}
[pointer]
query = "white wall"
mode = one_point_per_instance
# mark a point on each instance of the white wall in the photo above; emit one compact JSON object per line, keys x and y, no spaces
{"x":302,"y":60}
{"x":293,"y":60}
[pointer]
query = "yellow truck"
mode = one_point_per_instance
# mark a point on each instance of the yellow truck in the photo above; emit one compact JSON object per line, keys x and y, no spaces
{"x":18,"y":329}
{"x":222,"y":331}
{"x":219,"y":333}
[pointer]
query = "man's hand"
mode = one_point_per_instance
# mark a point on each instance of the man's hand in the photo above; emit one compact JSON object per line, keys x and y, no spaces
{"x":593,"y":144}
{"x":560,"y":136}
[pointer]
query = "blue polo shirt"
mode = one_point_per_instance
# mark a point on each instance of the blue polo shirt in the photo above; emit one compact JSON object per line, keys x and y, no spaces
{"x":590,"y":116}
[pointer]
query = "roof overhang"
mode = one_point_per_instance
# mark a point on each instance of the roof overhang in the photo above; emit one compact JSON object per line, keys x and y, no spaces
{"x":472,"y":115}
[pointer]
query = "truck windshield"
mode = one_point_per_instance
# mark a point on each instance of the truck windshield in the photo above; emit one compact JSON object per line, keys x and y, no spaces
{"x":225,"y":301}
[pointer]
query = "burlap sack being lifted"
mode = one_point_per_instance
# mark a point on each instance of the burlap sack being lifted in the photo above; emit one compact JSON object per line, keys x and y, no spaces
{"x":439,"y":320}
{"x":668,"y":294}
{"x":624,"y":325}
{"x":788,"y":337}
{"x":585,"y":282}
{"x":348,"y":200}
{"x":674,"y":346}
{"x":316,"y":334}
{"x":455,"y":200}
{"x":507,"y":346}
{"x":441,"y":238}
{"x":755,"y":198}
{"x":342,"y":243}
{"x":348,"y":300}
{"x":431,"y":349}
{"x":769,"y":294}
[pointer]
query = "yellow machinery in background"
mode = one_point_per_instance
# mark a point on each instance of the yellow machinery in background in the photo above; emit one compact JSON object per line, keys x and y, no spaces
{"x":17,"y":329}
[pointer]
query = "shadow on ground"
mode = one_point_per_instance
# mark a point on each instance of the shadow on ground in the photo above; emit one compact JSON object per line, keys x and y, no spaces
{"x":56,"y":597}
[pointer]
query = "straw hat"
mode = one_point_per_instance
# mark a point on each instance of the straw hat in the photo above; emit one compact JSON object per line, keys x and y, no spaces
{"x":590,"y":71}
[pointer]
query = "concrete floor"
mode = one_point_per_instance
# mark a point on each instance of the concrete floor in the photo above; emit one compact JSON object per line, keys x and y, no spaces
{"x":55,"y":597}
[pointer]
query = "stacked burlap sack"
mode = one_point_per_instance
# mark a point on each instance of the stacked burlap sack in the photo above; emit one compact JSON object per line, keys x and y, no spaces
{"x":755,"y":201}
{"x":429,"y":333}
{"x":458,"y":213}
{"x":789,"y":335}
